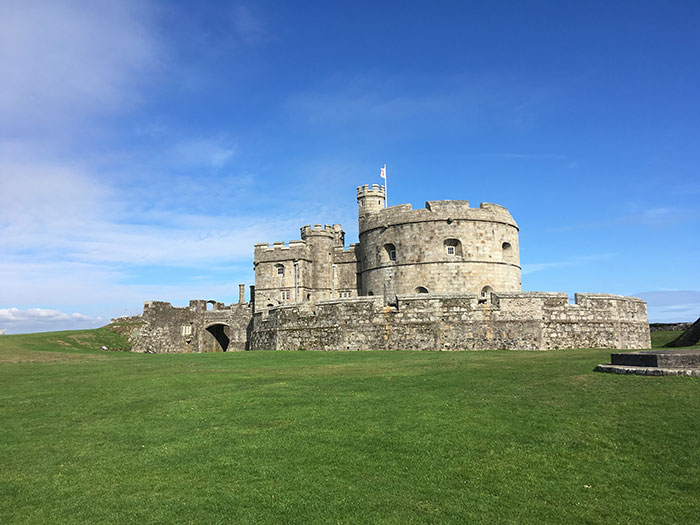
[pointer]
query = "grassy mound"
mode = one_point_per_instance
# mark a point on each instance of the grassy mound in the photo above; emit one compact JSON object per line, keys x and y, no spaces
{"x":352,"y":437}
{"x":662,"y":338}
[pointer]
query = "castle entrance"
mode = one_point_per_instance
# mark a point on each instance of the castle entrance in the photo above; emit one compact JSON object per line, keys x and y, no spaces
{"x":216,"y":338}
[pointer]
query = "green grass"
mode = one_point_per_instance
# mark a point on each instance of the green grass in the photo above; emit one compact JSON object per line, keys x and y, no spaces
{"x":662,"y":338}
{"x":367,"y":437}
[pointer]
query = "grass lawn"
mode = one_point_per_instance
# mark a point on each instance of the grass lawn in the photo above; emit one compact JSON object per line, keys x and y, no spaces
{"x":342,"y":437}
{"x":661,"y":338}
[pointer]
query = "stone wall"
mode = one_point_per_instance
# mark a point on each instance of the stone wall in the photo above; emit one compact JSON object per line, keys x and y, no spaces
{"x":447,"y":247}
{"x":166,"y":329}
{"x":514,"y":321}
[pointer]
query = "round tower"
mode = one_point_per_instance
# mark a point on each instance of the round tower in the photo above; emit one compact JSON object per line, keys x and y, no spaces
{"x":370,"y":199}
{"x":321,"y":241}
{"x":445,"y":248}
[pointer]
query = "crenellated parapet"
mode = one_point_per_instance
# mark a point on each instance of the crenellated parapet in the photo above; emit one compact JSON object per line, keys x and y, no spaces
{"x":450,"y":210}
{"x":280,"y":251}
{"x":334,"y":232}
{"x":508,"y":321}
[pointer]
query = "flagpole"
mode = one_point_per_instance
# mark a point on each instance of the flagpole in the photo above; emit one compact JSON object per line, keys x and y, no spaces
{"x":386,"y":188}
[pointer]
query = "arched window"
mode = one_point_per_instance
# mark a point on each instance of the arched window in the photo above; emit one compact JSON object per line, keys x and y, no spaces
{"x":486,"y":292}
{"x":389,"y":253}
{"x":453,"y":247}
{"x":279,"y":269}
{"x":421,"y":289}
{"x":507,"y":251}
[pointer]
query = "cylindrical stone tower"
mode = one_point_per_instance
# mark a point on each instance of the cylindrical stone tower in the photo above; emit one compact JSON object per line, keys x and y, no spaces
{"x":321,"y":241}
{"x":445,"y":248}
{"x":370,"y":199}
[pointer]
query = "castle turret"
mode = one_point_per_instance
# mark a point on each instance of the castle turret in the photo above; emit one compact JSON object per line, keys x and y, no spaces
{"x":321,"y":241}
{"x":370,"y":199}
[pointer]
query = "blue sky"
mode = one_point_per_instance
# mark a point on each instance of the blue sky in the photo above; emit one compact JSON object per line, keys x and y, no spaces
{"x":145,"y":146}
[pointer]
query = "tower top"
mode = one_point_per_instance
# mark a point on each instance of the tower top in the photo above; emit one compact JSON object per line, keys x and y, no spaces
{"x":370,"y":199}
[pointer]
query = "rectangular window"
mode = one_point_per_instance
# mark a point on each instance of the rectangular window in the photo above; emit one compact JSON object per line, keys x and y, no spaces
{"x":285,"y":295}
{"x":280,"y":270}
{"x":186,"y":330}
{"x":392,"y":255}
{"x":450,"y":250}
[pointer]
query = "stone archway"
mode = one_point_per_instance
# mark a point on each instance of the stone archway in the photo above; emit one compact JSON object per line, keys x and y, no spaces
{"x":216,"y":338}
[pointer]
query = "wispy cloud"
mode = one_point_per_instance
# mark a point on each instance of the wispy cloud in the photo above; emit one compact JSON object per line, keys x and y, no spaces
{"x":394,"y":100}
{"x":62,"y":61}
{"x":659,"y":217}
{"x":672,"y":305}
{"x":529,"y":268}
{"x":250,"y":25}
{"x":213,"y":152}
{"x":525,"y":156}
{"x":15,"y":320}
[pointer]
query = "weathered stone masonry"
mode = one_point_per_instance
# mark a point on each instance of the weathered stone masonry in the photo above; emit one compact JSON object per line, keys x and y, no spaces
{"x":446,"y":277}
{"x":166,"y":329}
{"x":513,"y":321}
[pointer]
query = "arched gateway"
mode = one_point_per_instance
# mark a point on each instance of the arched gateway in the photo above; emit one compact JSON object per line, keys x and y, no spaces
{"x":216,"y":338}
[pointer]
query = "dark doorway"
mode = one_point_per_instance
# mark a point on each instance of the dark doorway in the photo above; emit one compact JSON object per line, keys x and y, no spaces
{"x":221,"y":335}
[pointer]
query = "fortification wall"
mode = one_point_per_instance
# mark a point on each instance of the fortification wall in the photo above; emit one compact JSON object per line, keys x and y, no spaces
{"x":346,"y":271}
{"x":167,"y":329}
{"x":447,"y":247}
{"x":512,"y":321}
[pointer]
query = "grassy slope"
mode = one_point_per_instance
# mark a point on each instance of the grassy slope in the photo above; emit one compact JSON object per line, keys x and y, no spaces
{"x":662,"y":338}
{"x":270,"y":437}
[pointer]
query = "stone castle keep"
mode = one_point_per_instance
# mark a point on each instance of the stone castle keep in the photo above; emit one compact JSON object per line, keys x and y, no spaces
{"x":446,"y":277}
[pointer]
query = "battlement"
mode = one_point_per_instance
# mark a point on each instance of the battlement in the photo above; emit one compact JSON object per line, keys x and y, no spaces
{"x":371,"y":190}
{"x":319,"y":230}
{"x":279,"y":251}
{"x":514,"y":321}
{"x":443,"y":210}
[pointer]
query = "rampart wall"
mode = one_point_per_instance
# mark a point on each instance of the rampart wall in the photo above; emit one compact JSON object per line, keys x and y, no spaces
{"x":167,"y":329}
{"x":512,"y":321}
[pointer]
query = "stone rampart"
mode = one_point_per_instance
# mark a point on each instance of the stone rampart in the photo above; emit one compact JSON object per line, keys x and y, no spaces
{"x":512,"y":321}
{"x":167,"y":329}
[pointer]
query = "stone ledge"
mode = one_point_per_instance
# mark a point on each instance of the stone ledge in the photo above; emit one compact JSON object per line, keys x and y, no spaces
{"x":648,"y":371}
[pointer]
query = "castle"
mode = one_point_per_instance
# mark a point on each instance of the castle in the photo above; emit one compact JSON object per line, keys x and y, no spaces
{"x":446,"y":277}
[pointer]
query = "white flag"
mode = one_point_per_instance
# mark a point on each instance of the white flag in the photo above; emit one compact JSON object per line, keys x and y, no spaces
{"x":382,"y":172}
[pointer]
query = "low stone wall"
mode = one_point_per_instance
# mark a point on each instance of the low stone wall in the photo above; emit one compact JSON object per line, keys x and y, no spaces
{"x":513,"y":321}
{"x":166,"y":329}
{"x":671,"y":327}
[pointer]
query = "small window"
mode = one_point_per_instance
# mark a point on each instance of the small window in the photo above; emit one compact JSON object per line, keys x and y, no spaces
{"x":421,"y":289}
{"x":370,"y":293}
{"x":279,"y":269}
{"x":453,"y":247}
{"x":285,"y":295}
{"x":486,"y":291}
{"x":507,"y":251}
{"x":390,"y":252}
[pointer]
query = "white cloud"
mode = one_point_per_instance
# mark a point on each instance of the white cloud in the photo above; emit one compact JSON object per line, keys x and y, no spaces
{"x":61,"y":61}
{"x":249,"y":25}
{"x":212,"y":152}
{"x":14,"y":320}
{"x":528,"y":268}
{"x":672,"y":306}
